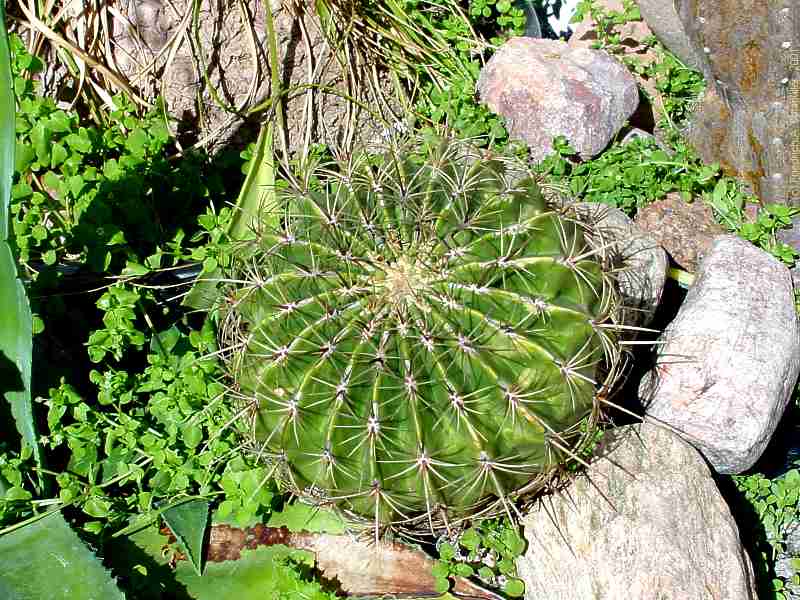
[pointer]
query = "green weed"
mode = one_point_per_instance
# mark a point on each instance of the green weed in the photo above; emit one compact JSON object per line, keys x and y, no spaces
{"x":139,"y":422}
{"x":608,"y":38}
{"x":775,"y":508}
{"x":97,"y":196}
{"x":628,"y":176}
{"x":486,"y":550}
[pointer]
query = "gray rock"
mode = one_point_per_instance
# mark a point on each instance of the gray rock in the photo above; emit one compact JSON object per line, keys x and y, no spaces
{"x":646,"y":522}
{"x":642,"y":264}
{"x":792,"y":539}
{"x":791,"y":236}
{"x":785,"y":570}
{"x":784,"y":567}
{"x":785,"y":562}
{"x":664,"y":20}
{"x":745,"y":121}
{"x":544,"y":88}
{"x":730,"y":359}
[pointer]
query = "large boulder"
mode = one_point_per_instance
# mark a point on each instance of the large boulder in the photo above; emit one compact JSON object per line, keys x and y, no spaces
{"x":746,"y":49}
{"x":634,"y":53}
{"x":728,"y":362}
{"x":543,"y":89}
{"x":645,"y":522}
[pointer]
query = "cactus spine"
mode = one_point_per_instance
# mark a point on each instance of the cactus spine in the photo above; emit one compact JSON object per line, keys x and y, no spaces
{"x":419,"y":339}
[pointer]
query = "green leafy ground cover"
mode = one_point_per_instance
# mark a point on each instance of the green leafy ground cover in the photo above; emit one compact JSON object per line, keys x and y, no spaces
{"x":129,"y":400}
{"x":487,"y":550}
{"x":97,"y":194}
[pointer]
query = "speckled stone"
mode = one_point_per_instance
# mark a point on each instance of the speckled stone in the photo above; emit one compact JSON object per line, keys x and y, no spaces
{"x":728,"y":363}
{"x":685,"y":230}
{"x":640,"y":263}
{"x":543,"y":89}
{"x":645,"y":522}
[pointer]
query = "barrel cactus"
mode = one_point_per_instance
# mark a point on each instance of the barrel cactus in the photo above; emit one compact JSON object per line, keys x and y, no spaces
{"x":419,"y":338}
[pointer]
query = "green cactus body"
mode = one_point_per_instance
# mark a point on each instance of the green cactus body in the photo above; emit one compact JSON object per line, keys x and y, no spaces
{"x":419,"y":337}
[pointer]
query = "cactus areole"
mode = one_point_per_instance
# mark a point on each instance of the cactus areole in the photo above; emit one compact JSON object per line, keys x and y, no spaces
{"x":420,"y":339}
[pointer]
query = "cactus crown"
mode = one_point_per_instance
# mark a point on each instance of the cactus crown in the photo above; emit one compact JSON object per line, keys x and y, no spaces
{"x":419,"y":338}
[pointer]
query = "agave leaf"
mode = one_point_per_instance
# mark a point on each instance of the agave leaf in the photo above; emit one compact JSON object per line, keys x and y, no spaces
{"x":46,"y":559}
{"x":258,"y":189}
{"x":532,"y":27}
{"x":188,"y":522}
{"x":257,"y":192}
{"x":143,"y":520}
{"x":7,"y":116}
{"x":16,"y":331}
{"x":257,"y":574}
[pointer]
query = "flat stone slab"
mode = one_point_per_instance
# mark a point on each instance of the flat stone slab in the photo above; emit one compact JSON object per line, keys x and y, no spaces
{"x":645,"y":522}
{"x":729,"y":360}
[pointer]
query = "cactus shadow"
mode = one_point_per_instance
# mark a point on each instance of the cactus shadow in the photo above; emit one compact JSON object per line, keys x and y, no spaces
{"x":644,"y":357}
{"x":140,"y":576}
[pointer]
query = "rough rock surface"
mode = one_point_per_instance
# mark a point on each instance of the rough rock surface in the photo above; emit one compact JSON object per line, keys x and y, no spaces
{"x":645,"y":522}
{"x":791,"y":236}
{"x":664,"y":21}
{"x":544,"y":88}
{"x":786,"y":561}
{"x":746,"y":120}
{"x":155,"y":48}
{"x":642,"y":264}
{"x":685,"y":230}
{"x":635,"y":133}
{"x":632,"y":35}
{"x":730,"y":358}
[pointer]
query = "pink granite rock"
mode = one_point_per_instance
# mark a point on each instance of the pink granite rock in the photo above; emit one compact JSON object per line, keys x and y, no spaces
{"x":632,"y":36}
{"x":544,"y":89}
